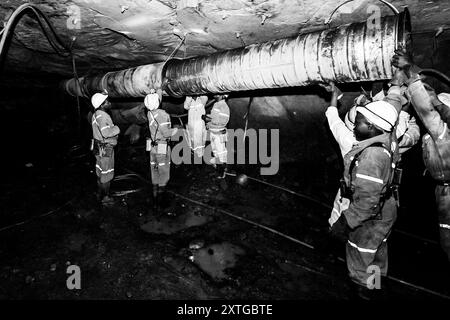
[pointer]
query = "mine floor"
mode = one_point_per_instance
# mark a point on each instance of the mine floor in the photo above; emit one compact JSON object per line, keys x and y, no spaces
{"x":189,"y":251}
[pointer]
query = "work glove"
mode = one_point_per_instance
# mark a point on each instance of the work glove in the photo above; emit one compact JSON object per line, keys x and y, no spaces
{"x":335,"y":91}
{"x":340,"y":229}
{"x":206,"y":118}
{"x":187,"y":102}
{"x":399,"y":79}
{"x":336,"y":94}
{"x":203,"y":99}
{"x":402,"y":59}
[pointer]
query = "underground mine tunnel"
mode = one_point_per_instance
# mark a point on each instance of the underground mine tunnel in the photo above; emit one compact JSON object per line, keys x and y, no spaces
{"x":181,"y":149}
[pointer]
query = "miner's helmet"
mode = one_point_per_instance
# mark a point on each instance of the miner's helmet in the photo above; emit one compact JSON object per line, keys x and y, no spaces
{"x":152,"y":101}
{"x":98,"y":99}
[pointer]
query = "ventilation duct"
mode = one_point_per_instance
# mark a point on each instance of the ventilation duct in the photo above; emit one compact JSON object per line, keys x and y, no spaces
{"x":349,"y":53}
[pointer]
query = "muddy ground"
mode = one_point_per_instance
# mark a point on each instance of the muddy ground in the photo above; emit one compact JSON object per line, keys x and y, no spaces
{"x":189,"y":251}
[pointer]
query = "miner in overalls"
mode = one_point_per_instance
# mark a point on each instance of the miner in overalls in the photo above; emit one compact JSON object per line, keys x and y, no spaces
{"x":407,"y":131}
{"x":432,"y":110}
{"x":196,"y":128}
{"x":105,"y":135}
{"x":369,"y":169}
{"x":217,"y":126}
{"x":160,"y":134}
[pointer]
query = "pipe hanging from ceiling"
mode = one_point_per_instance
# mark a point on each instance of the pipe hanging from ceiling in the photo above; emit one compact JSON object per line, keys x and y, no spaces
{"x":133,"y":82}
{"x":350,"y":53}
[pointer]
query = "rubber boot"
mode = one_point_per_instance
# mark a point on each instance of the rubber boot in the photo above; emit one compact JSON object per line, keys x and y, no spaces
{"x":106,"y":198}
{"x":221,"y":169}
{"x":162,"y":196}
{"x":100,"y":190}
{"x":221,"y":175}
{"x":107,"y":186}
{"x":155,"y":198}
{"x":363,"y":293}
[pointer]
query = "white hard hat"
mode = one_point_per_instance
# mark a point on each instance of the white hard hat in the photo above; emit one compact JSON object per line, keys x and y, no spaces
{"x":151,"y":101}
{"x":380,"y":113}
{"x":444,"y":98}
{"x":350,"y":118}
{"x":97,"y":99}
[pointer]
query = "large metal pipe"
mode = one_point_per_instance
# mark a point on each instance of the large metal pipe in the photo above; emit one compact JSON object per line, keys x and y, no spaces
{"x":133,"y":82}
{"x":350,"y":53}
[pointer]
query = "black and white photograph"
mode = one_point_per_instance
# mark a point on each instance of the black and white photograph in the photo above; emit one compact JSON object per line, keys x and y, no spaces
{"x":216,"y":158}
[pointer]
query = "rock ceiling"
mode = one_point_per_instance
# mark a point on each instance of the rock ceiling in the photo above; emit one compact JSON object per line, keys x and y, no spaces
{"x":114,"y":34}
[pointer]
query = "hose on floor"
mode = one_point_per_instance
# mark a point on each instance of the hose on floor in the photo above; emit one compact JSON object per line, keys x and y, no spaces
{"x":125,"y":177}
{"x":39,"y":216}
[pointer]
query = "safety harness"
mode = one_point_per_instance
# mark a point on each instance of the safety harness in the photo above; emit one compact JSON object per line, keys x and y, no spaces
{"x":390,"y":189}
{"x":154,"y":143}
{"x":395,"y":174}
{"x":101,"y":148}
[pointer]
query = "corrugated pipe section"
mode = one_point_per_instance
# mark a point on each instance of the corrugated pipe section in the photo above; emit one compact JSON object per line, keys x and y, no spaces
{"x":350,"y":53}
{"x":355,"y":52}
{"x":133,"y":82}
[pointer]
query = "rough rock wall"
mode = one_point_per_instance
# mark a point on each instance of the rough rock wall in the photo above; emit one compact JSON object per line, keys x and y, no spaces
{"x":118,"y":34}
